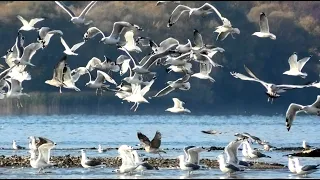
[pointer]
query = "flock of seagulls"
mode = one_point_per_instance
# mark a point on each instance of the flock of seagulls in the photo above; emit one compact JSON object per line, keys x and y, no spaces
{"x":133,"y":88}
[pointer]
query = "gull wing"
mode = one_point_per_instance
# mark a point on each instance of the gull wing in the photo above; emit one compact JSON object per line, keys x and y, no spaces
{"x":35,"y":20}
{"x":76,"y":46}
{"x":24,"y":22}
{"x":292,"y":110}
{"x":65,"y":45}
{"x":197,"y":38}
{"x":92,"y":32}
{"x":264,"y":26}
{"x":43,"y":140}
{"x":145,"y":89}
{"x":316,"y":104}
{"x":58,"y":69}
{"x":233,"y":167}
{"x":164,"y":91}
{"x":144,"y":59}
{"x":207,"y":5}
{"x":44,"y":150}
{"x":30,"y":50}
{"x":93,"y":63}
{"x":16,"y":86}
{"x":102,"y":75}
{"x":309,"y":167}
{"x":43,"y":32}
{"x":302,"y":62}
{"x":87,"y":8}
{"x":65,"y":8}
{"x":121,"y":59}
{"x":222,"y":35}
{"x":176,"y":13}
{"x":169,"y":43}
{"x":118,"y":27}
{"x":177,"y":103}
{"x":144,"y":140}
{"x":293,"y":63}
{"x":156,"y":141}
{"x":68,"y":80}
{"x":129,"y":38}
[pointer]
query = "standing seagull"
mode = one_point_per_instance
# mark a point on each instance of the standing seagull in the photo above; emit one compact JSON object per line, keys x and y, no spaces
{"x":15,"y":146}
{"x":306,"y":169}
{"x":142,"y":166}
{"x":264,"y":28}
{"x":187,"y":166}
{"x":114,"y":36}
{"x":291,"y":165}
{"x":192,"y":154}
{"x":305,"y":145}
{"x":294,"y":109}
{"x":78,"y":19}
{"x":177,"y":107}
{"x":296,"y":66}
{"x":273,"y":90}
{"x":27,"y":26}
{"x":151,"y":146}
{"x":88,"y":163}
{"x":69,"y":51}
{"x":226,"y":167}
{"x":181,"y":83}
{"x":254,"y":154}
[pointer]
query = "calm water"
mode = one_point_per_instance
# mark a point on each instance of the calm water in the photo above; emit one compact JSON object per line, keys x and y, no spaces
{"x":83,"y":131}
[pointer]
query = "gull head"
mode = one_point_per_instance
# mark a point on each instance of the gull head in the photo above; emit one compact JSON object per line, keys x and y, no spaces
{"x":236,"y":30}
{"x":16,"y":61}
{"x":85,"y":36}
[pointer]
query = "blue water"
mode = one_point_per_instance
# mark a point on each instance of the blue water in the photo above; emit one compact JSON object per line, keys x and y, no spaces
{"x":84,"y":131}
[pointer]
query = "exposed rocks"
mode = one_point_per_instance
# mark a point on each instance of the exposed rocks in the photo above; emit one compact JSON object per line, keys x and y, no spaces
{"x":307,"y":153}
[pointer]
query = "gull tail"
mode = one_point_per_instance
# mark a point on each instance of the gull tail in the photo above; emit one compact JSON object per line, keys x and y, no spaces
{"x":160,"y":150}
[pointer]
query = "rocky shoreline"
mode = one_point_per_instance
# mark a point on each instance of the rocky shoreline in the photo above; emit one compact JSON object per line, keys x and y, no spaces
{"x":114,"y":162}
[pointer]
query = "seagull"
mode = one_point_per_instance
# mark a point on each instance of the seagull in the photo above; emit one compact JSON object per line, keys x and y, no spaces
{"x":291,"y":165}
{"x":267,"y":146}
{"x":245,"y":150}
{"x":78,"y":19}
{"x":128,"y":164}
{"x":114,"y":37}
{"x":205,"y":70}
{"x":192,"y":154}
{"x":88,"y":163}
{"x":294,"y":109}
{"x":305,"y":145}
{"x":101,"y":150}
{"x":45,"y":34}
{"x":296,"y":66}
{"x":306,"y":169}
{"x":231,"y":150}
{"x":130,"y":44}
{"x":211,"y":132}
{"x":264,"y":28}
{"x":246,"y":135}
{"x":254,"y":154}
{"x":68,"y":80}
{"x":15,"y":146}
{"x":151,"y":146}
{"x":178,"y":107}
{"x":142,"y":166}
{"x":100,"y":79}
{"x":187,"y":166}
{"x":24,"y":58}
{"x":28,"y":26}
{"x":76,"y":73}
{"x":34,"y":144}
{"x":180,"y":83}
{"x":180,"y":69}
{"x":205,"y":9}
{"x":43,"y":159}
{"x":58,"y":73}
{"x":165,"y":2}
{"x":273,"y":90}
{"x":107,"y":64}
{"x":15,"y":91}
{"x":125,"y":64}
{"x":71,"y":51}
{"x":226,"y":167}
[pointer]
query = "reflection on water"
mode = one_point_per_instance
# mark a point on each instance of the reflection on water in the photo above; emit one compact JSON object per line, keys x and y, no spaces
{"x":85,"y":131}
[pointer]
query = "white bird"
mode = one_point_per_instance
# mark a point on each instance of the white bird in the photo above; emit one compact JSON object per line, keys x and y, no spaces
{"x":45,"y":34}
{"x":192,"y":154}
{"x":296,"y":66}
{"x":71,"y":51}
{"x":114,"y":36}
{"x":32,"y":143}
{"x":100,"y":149}
{"x":305,"y":145}
{"x":88,"y":163}
{"x":178,"y":107}
{"x":130,"y":44}
{"x":205,"y":70}
{"x":306,"y":169}
{"x":264,"y":28}
{"x":181,"y":83}
{"x":294,"y":109}
{"x":15,"y":91}
{"x":254,"y":154}
{"x":78,"y":72}
{"x":127,"y":160}
{"x":180,"y":69}
{"x":43,"y":159}
{"x":107,"y":64}
{"x":226,"y":167}
{"x":28,"y":26}
{"x":291,"y":165}
{"x":78,"y":19}
{"x":68,"y":80}
{"x":58,"y":73}
{"x":245,"y":150}
{"x":231,"y":150}
{"x":142,"y":166}
{"x":24,"y":58}
{"x":15,"y":146}
{"x":187,"y":166}
{"x":273,"y":90}
{"x":98,"y":83}
{"x":125,"y":64}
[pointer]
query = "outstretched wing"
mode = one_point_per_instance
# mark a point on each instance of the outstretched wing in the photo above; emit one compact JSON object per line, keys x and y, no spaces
{"x":176,"y":13}
{"x":144,"y":140}
{"x":65,"y":8}
{"x":87,"y":9}
{"x":293,"y":109}
{"x":264,"y":26}
{"x":156,"y":141}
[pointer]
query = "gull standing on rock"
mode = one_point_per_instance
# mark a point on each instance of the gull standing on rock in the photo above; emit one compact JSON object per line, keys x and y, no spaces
{"x":15,"y":146}
{"x":306,"y":169}
{"x":264,"y":28}
{"x":88,"y":163}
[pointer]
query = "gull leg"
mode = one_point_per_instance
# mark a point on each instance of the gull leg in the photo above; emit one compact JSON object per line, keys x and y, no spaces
{"x":60,"y":90}
{"x":136,"y":107}
{"x":133,"y":106}
{"x":97,"y":91}
{"x":271,"y":100}
{"x":20,"y":104}
{"x":160,"y":155}
{"x":232,"y":36}
{"x":268,"y":99}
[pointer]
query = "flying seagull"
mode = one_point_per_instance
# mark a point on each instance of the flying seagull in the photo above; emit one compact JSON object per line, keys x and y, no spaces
{"x":294,"y":109}
{"x":181,"y":83}
{"x":58,"y":73}
{"x":106,"y":65}
{"x":28,"y":26}
{"x":45,"y":34}
{"x":71,"y":51}
{"x":273,"y":90}
{"x":296,"y":66}
{"x":264,"y":28}
{"x":178,"y":107}
{"x":151,"y":146}
{"x":77,"y":19}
